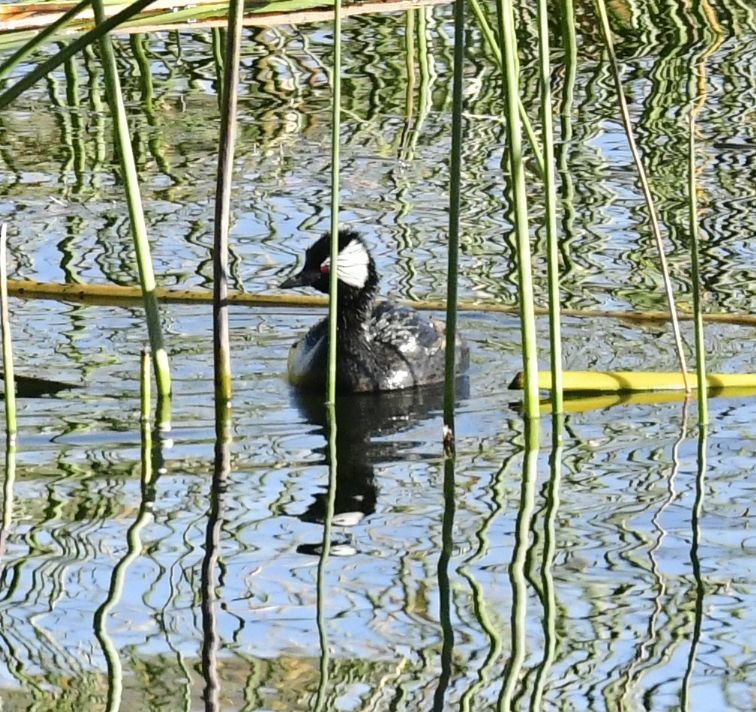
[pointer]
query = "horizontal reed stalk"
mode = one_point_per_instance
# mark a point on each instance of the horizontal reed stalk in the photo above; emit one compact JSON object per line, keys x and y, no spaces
{"x":116,"y":295}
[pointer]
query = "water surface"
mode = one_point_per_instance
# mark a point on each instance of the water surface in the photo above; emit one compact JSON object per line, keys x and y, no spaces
{"x":625,"y":581}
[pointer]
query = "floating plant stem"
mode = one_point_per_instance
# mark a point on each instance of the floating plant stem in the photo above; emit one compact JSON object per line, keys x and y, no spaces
{"x":520,"y":208}
{"x":8,"y":375}
{"x":645,"y":187}
{"x":550,"y":194}
{"x":221,"y":345}
{"x":335,"y":177}
{"x":123,"y":295}
{"x":455,"y":202}
{"x":136,"y":214}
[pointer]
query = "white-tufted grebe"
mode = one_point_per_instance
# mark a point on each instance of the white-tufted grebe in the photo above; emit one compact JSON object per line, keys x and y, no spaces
{"x":381,"y":346}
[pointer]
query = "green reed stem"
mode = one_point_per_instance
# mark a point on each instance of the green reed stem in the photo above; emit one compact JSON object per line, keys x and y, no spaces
{"x":333,"y":307}
{"x":505,"y":15}
{"x":645,"y":186}
{"x":136,"y":213}
{"x":455,"y":203}
{"x":550,"y":191}
{"x":40,"y":37}
{"x":221,"y":341}
{"x":11,"y":426}
{"x":695,"y":272}
{"x":97,"y":33}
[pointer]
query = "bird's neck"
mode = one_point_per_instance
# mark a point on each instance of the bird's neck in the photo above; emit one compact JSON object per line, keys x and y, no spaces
{"x":355,"y":306}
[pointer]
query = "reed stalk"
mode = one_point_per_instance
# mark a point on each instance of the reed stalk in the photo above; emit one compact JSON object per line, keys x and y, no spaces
{"x":333,"y":306}
{"x":39,"y":38}
{"x":221,"y":339}
{"x":695,"y":271}
{"x":645,"y":186}
{"x":550,"y":195}
{"x":11,"y":426}
{"x":136,"y":213}
{"x":507,"y":35}
{"x":455,"y":203}
{"x":97,"y":33}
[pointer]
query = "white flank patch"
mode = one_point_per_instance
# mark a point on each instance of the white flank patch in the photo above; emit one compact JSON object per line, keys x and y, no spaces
{"x":352,"y":266}
{"x":300,"y":361}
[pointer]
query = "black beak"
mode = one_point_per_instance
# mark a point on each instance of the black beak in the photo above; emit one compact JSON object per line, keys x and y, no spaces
{"x":302,"y":279}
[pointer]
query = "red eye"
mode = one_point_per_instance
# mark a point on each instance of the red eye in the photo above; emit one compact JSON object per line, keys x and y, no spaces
{"x":324,"y":269}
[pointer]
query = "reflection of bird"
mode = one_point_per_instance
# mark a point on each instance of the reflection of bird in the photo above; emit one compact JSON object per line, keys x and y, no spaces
{"x":381,"y":347}
{"x":365,"y":426}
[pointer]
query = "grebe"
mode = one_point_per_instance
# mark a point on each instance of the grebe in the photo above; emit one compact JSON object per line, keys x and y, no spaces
{"x":381,"y":346}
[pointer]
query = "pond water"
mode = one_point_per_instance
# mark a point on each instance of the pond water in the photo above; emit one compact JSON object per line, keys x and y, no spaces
{"x":622,"y":579}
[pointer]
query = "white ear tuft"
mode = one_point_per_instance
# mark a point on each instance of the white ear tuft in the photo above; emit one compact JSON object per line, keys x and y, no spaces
{"x":352,"y":265}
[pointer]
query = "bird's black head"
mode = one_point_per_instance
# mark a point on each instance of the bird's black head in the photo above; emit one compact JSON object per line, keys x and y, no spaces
{"x":355,"y":267}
